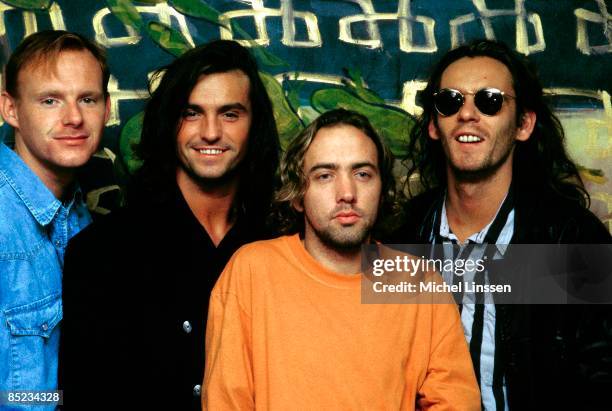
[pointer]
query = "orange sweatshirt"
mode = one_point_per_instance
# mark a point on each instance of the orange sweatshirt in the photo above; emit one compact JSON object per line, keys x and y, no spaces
{"x":285,"y":333}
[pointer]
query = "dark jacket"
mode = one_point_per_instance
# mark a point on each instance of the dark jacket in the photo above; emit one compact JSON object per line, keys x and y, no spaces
{"x":551,"y":356}
{"x":136,"y":287}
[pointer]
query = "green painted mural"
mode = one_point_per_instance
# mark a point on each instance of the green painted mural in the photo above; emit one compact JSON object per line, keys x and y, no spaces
{"x":369,"y":56}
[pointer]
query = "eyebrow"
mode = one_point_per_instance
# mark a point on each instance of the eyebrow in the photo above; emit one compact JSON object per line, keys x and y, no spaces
{"x":59,"y":93}
{"x":233,"y":106}
{"x":222,"y":109}
{"x":333,"y":166}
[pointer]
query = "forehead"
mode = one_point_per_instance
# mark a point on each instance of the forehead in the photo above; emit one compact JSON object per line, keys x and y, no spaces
{"x":221,"y":88}
{"x":67,"y":67}
{"x":340,"y":145}
{"x":473,"y":73}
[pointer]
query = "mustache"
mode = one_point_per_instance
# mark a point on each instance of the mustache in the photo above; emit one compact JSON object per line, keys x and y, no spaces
{"x":472,"y":129}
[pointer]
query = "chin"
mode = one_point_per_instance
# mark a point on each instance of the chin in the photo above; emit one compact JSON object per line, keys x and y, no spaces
{"x":474,"y":175}
{"x":209,"y":175}
{"x":74,"y":162}
{"x":345,"y":241}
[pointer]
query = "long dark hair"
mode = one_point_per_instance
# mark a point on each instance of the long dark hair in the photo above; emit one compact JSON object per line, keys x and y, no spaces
{"x":540,"y":163}
{"x":156,"y":179}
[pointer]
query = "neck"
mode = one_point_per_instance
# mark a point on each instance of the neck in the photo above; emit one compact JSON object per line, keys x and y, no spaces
{"x":56,"y":179}
{"x":340,"y":261}
{"x":471,"y":205}
{"x":211,"y":204}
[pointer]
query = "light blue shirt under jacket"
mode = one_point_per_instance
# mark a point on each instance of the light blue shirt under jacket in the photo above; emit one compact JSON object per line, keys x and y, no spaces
{"x":34,"y":230}
{"x":487,"y":347}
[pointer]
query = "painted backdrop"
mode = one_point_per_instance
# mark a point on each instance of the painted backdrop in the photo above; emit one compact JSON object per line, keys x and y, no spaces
{"x":370,"y":56}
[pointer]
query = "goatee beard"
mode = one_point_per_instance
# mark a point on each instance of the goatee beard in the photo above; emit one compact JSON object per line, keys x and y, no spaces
{"x":348,"y":246}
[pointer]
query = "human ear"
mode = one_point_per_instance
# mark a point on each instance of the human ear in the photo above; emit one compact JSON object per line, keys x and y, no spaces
{"x":8,"y":109}
{"x":525,"y":128}
{"x":432,"y":128}
{"x":297,"y":205}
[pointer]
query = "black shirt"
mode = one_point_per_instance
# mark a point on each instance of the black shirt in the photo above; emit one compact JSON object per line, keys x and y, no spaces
{"x":136,"y":290}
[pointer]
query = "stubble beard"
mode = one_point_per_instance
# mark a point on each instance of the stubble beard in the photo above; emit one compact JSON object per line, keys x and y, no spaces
{"x":482,"y":173}
{"x":345,"y":241}
{"x":489,"y":166}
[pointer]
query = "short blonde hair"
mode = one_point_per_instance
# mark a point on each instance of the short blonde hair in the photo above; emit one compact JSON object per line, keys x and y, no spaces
{"x":44,"y":47}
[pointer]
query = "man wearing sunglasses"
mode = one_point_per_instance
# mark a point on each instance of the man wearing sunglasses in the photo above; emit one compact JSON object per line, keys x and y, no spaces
{"x":490,"y":154}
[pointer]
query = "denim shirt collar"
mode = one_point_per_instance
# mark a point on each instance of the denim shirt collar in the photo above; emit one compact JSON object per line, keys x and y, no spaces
{"x":39,"y":200}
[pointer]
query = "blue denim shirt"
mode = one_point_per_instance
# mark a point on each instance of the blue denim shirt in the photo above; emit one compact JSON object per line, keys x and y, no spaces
{"x":34,"y":230}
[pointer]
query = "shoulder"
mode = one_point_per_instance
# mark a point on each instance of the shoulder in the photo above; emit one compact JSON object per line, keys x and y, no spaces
{"x":23,"y":235}
{"x":103,"y":227}
{"x":12,"y":209}
{"x":582,"y":226}
{"x":552,"y":218}
{"x":260,"y":255}
{"x":10,"y":202}
{"x":263,"y":248}
{"x":260,"y":259}
{"x":118,"y":235}
{"x":111,"y":251}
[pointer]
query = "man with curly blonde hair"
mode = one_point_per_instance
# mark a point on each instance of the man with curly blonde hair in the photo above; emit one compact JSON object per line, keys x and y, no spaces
{"x":286,"y":328}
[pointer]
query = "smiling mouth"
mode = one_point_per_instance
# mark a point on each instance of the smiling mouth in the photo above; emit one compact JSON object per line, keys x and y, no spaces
{"x":469,"y":138}
{"x":211,"y":151}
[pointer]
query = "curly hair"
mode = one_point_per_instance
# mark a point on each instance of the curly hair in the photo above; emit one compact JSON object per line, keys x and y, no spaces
{"x":294,"y":182}
{"x":156,"y":179}
{"x":540,"y":162}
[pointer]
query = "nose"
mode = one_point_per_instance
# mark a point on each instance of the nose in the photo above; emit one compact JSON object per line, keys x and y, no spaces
{"x":210,"y":129}
{"x":345,"y":189}
{"x":72,"y":115}
{"x":468,"y":111}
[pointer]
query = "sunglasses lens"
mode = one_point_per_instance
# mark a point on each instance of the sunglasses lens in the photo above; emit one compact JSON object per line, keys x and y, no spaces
{"x":489,"y":101}
{"x":448,"y":102}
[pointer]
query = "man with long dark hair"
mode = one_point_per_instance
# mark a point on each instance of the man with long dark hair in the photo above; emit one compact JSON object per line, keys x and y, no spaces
{"x":286,"y":327}
{"x":490,"y":154}
{"x":137,"y":283}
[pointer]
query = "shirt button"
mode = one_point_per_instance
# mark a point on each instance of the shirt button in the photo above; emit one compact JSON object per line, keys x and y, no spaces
{"x":45,"y":327}
{"x":187,"y":327}
{"x":58,"y":243}
{"x":197,"y":389}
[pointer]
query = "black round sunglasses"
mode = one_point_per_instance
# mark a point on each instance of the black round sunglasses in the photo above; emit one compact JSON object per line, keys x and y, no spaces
{"x":488,"y":100}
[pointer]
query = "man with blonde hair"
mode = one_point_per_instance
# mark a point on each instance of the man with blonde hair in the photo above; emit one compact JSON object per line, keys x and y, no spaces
{"x":56,"y":100}
{"x":286,"y":328}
